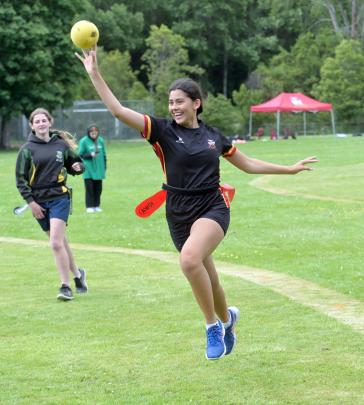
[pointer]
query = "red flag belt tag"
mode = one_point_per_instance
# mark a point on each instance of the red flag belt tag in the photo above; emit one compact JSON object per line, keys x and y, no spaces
{"x":151,"y":204}
{"x":228,"y":191}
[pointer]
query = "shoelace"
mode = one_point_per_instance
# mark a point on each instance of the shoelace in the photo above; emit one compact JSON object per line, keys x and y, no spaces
{"x":213,"y":334}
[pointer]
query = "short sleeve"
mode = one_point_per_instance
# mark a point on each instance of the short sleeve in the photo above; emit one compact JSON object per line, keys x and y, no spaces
{"x":154,"y":128}
{"x":228,"y":149}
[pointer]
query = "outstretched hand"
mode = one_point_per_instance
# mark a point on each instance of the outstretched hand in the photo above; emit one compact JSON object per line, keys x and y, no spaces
{"x":89,"y":60}
{"x":301,"y":165}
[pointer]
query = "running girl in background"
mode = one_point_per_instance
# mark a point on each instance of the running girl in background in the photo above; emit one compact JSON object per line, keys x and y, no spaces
{"x":41,"y":172}
{"x":197,"y":213}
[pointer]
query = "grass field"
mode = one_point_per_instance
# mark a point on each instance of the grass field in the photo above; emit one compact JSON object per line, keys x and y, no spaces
{"x":138,"y":336}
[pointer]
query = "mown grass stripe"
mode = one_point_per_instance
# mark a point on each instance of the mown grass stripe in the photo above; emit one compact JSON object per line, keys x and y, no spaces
{"x":324,"y":300}
{"x":264,"y":183}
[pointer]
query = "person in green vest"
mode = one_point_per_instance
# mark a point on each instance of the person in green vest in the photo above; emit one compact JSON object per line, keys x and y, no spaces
{"x":92,"y":151}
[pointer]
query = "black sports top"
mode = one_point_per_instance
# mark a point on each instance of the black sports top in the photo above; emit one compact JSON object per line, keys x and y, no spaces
{"x":189,"y":156}
{"x":190,"y":160}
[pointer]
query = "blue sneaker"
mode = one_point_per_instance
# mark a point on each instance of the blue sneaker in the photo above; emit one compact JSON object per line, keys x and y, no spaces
{"x":230,"y":336}
{"x":215,"y":347}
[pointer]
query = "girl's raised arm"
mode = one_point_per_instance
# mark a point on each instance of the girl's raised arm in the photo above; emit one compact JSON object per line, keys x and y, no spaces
{"x":126,"y":115}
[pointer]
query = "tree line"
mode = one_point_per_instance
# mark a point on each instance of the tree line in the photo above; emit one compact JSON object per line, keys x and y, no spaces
{"x":241,"y":51}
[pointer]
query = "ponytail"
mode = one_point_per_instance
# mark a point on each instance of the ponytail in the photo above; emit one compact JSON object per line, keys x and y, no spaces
{"x":67,"y":137}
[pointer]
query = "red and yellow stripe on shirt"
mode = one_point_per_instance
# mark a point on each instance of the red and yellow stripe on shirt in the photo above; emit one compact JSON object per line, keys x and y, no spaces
{"x":159,"y":152}
{"x":147,"y":128}
{"x":156,"y":146}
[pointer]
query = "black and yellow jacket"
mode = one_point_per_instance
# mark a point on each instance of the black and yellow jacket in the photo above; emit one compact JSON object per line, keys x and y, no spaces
{"x":42,"y":167}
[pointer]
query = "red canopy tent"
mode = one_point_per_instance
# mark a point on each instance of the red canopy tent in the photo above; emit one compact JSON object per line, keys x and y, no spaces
{"x":292,"y":102}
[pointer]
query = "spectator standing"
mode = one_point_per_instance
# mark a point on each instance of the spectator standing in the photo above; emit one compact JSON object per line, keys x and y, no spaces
{"x":92,"y":151}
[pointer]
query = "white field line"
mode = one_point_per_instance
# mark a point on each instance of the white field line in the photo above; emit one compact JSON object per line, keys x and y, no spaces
{"x":324,"y":300}
{"x":263,"y":183}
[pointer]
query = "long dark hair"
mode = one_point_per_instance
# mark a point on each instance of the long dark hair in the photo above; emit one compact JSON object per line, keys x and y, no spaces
{"x":191,"y":88}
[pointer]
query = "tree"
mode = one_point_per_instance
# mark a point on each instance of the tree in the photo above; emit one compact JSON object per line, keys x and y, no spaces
{"x":243,"y":99}
{"x":37,"y":66}
{"x":227,"y":39}
{"x":347,"y":17}
{"x":297,"y":70}
{"x":119,"y":28}
{"x":220,"y":113}
{"x":337,"y":85}
{"x":293,"y":18}
{"x":155,"y":12}
{"x":166,"y":59}
{"x":115,"y":68}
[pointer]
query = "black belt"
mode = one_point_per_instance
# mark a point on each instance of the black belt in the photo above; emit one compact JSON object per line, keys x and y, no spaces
{"x":190,"y":191}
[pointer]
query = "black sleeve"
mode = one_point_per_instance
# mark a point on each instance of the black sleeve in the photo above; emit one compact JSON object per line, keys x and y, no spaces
{"x":228,"y":149}
{"x":22,"y":173}
{"x":86,"y":156}
{"x":72,"y":157}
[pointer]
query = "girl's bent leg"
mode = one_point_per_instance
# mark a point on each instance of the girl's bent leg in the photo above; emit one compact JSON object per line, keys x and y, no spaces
{"x":218,"y":292}
{"x":79,"y":275}
{"x":56,"y":238}
{"x":205,"y":236}
{"x":72,"y":264}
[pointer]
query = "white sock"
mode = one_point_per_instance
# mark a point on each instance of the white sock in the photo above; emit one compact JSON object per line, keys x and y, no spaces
{"x":228,"y":323}
{"x":208,"y":325}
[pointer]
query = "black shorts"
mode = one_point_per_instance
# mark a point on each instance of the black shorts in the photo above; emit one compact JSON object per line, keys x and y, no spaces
{"x":181,"y":231}
{"x":59,"y":208}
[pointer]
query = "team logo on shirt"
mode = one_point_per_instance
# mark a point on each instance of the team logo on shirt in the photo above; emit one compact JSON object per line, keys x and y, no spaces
{"x":179,"y":140}
{"x":211,"y":144}
{"x":59,"y":156}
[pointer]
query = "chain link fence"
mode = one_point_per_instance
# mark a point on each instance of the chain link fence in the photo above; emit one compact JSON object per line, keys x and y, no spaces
{"x":316,"y":124}
{"x":81,"y":115}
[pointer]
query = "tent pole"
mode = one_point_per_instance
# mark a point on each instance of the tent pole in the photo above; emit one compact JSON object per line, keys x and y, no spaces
{"x":304,"y":123}
{"x":250,"y":123}
{"x":278,"y":122}
{"x":333,"y":122}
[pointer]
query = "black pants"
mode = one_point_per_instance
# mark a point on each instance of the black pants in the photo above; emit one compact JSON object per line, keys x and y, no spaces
{"x":93,"y":192}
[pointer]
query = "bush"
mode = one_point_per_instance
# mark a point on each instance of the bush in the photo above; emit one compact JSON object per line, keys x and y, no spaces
{"x":219,"y":112}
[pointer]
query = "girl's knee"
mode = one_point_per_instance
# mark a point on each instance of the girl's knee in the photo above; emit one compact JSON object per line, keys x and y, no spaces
{"x":189,"y":261}
{"x":56,"y":245}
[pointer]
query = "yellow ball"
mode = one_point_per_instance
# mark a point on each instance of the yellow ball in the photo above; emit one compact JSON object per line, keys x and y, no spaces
{"x":84,"y":34}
